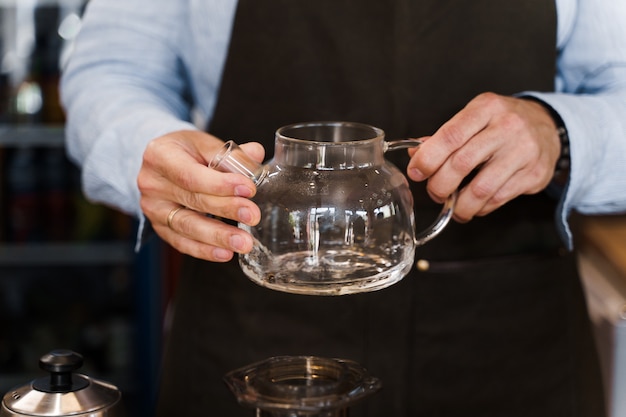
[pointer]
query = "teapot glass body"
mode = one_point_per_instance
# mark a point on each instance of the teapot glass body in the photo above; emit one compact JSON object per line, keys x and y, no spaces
{"x":336,"y":216}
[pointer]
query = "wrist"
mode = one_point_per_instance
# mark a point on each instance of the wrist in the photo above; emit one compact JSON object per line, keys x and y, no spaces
{"x":562,"y":166}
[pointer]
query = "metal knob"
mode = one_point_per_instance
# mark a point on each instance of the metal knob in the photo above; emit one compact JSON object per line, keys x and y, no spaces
{"x":60,"y":364}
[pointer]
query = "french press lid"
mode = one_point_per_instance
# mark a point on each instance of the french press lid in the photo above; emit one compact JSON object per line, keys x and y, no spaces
{"x":63,"y":392}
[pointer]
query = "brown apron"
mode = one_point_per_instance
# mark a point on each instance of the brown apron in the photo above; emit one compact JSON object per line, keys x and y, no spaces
{"x":498,"y":325}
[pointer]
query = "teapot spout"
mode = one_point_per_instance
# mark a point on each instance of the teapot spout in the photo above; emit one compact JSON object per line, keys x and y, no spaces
{"x":231,"y":158}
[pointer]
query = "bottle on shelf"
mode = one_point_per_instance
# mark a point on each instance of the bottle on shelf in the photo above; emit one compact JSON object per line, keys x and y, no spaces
{"x":23,"y":198}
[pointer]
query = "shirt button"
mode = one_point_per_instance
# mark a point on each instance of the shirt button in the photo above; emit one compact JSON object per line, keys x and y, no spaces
{"x":423,"y":265}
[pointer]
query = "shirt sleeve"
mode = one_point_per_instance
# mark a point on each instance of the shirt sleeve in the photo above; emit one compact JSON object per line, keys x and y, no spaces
{"x":123,"y":86}
{"x":591,"y":100}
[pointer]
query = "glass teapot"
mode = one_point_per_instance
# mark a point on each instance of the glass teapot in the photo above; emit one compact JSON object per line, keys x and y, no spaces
{"x":336,"y":216}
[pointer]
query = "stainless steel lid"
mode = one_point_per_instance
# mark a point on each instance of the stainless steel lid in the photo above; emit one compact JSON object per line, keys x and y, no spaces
{"x":63,"y":392}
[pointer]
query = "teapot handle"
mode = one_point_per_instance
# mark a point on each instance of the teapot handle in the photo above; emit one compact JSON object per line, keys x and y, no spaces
{"x":448,"y":207}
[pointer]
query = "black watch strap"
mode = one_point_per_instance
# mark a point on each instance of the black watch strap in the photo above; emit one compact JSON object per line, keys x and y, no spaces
{"x":561,"y":171}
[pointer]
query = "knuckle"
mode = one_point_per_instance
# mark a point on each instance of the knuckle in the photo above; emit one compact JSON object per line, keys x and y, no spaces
{"x":481,"y":190}
{"x":145,"y":182}
{"x":154,"y":150}
{"x":436,"y":192}
{"x":150,"y":150}
{"x":533,"y":148}
{"x":452,"y":135}
{"x":513,"y":121}
{"x":185,"y":180}
{"x":463,"y":161}
{"x":222,"y":207}
{"x":490,"y":100}
{"x":538,"y":180}
{"x":226,"y":211}
{"x":462,"y":217}
{"x":499,"y":199}
{"x":142,"y":179}
{"x":191,"y":200}
{"x":211,"y":255}
{"x":220,"y":238}
{"x":184,"y":222}
{"x":145,"y":206}
{"x":423,"y":163}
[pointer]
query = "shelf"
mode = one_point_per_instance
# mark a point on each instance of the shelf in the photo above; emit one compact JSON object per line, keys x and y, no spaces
{"x":55,"y":254}
{"x":22,"y":135}
{"x":45,"y":3}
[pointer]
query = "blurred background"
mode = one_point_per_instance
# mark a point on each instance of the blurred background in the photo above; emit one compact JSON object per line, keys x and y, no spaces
{"x":69,"y":277}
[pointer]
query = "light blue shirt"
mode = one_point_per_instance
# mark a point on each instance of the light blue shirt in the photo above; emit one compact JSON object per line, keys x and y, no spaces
{"x":135,"y":61}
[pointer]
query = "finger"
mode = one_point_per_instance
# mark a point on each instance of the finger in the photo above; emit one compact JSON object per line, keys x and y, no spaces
{"x":194,"y":225}
{"x":233,"y":208}
{"x":223,"y":195}
{"x":511,"y":189}
{"x":195,"y":234}
{"x":184,"y":173}
{"x":200,"y":250}
{"x":182,"y":158}
{"x":412,"y":150}
{"x":498,"y":182}
{"x":461,"y":163}
{"x":198,"y":227}
{"x":254,"y":149}
{"x":450,"y":137}
{"x":486,"y":191}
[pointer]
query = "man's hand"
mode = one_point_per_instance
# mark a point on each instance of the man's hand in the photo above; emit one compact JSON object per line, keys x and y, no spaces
{"x":512,"y":143}
{"x":178,"y":189}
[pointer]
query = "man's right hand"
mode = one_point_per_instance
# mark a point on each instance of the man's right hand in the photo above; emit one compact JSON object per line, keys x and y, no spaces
{"x":178,"y":190}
